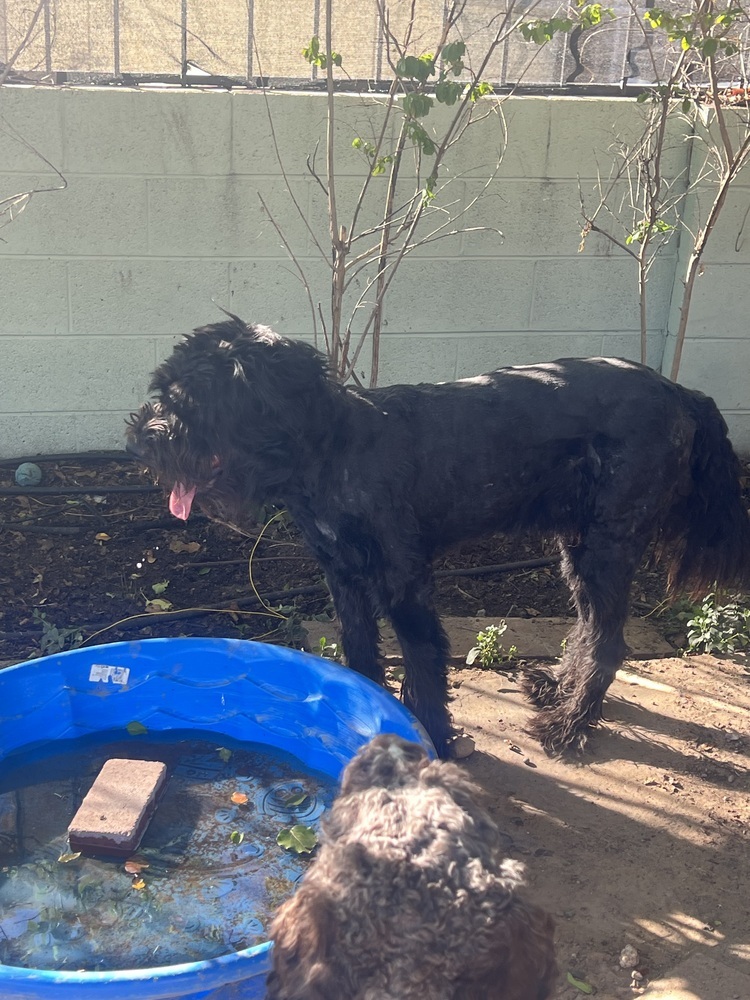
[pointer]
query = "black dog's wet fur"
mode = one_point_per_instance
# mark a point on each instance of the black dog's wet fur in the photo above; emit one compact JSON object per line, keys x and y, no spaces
{"x":605,"y":454}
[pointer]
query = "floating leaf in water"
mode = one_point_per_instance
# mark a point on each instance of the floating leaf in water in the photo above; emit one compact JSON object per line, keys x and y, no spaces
{"x":236,"y":836}
{"x":294,"y":797}
{"x":134,"y":866}
{"x":224,"y":754}
{"x":66,"y":857}
{"x":300,"y":839}
{"x":579,"y":984}
{"x":159,"y":588}
{"x":138,"y":883}
{"x":239,"y":798}
{"x":136,"y":728}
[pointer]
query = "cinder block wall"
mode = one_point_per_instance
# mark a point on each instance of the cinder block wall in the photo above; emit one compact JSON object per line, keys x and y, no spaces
{"x":161,"y":222}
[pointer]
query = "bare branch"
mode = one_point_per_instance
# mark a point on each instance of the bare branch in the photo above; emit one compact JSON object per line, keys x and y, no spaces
{"x":280,"y":162}
{"x":295,"y":261}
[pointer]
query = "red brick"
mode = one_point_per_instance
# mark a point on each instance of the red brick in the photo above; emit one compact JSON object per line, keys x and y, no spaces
{"x":114,"y":815}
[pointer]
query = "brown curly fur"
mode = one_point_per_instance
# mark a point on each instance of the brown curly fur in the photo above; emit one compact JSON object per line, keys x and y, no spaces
{"x":409,"y":897}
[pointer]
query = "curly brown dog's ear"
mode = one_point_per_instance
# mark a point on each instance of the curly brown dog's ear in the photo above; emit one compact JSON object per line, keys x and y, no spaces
{"x":521,"y":960}
{"x":304,"y":934}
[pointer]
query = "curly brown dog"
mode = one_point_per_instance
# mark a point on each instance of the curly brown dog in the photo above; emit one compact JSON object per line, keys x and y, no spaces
{"x":409,"y":897}
{"x":602,"y":454}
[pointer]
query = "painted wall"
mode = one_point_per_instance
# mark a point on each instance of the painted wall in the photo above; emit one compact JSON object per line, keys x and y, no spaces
{"x":161,"y":223}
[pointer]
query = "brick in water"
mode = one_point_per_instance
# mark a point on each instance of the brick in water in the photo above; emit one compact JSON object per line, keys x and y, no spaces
{"x":114,"y":815}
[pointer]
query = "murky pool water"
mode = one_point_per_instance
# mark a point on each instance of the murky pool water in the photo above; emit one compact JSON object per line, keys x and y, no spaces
{"x":214,"y":874}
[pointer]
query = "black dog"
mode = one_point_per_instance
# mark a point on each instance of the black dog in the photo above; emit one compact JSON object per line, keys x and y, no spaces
{"x":605,"y":454}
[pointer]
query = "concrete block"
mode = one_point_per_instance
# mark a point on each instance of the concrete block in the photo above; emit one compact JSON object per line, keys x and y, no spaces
{"x":103,"y":429}
{"x":516,"y":136}
{"x":738,"y":423}
{"x":131,"y":297}
{"x":36,"y":433}
{"x":46,"y":374}
{"x":413,"y":359}
{"x":729,"y":242}
{"x":719,"y":304}
{"x":147,"y":132}
{"x":478,"y":354}
{"x":537,"y":216}
{"x":594,"y":294}
{"x":204,"y":217}
{"x":35,"y":296}
{"x":34,"y":127}
{"x":271,"y":292}
{"x":628,"y":345}
{"x":457,"y":295}
{"x":585,"y":130}
{"x":92,"y":215}
{"x":719,"y":368}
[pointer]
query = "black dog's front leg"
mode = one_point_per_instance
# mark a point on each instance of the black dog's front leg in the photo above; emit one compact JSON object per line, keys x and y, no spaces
{"x":359,"y":630}
{"x":425,"y":647}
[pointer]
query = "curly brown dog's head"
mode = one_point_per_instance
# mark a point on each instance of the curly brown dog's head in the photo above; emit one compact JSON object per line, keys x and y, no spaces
{"x":387,"y":761}
{"x":224,"y":427}
{"x":410,"y":896}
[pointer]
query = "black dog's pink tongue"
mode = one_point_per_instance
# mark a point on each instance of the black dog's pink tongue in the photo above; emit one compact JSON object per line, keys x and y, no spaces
{"x":181,"y":500}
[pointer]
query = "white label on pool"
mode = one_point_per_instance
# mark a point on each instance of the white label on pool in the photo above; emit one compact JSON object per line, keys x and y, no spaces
{"x":101,"y":672}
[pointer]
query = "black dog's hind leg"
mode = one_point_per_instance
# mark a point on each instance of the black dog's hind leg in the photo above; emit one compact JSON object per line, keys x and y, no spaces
{"x":599,"y":571}
{"x":425,"y":649}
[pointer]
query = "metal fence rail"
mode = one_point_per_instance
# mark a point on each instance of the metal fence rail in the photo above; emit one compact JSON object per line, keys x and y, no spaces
{"x":254,"y":42}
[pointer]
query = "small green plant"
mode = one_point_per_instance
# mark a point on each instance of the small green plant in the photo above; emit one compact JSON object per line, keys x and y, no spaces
{"x":329,"y":650}
{"x":54,"y":639}
{"x":716,"y":627}
{"x":489,"y":650}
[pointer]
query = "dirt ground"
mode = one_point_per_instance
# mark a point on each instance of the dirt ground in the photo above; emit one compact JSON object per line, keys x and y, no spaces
{"x":644,"y":840}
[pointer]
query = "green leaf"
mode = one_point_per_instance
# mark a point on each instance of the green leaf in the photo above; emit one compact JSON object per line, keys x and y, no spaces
{"x":224,"y":754}
{"x":413,"y":68}
{"x":480,"y":89}
{"x":67,"y":856}
{"x":296,"y":798}
{"x":453,"y":52}
{"x":417,"y":105}
{"x":709,"y":47}
{"x":159,"y":588}
{"x":236,"y":836}
{"x":579,"y":984}
{"x":448,"y":92}
{"x":299,"y":839}
{"x":204,"y":571}
{"x":136,"y":728}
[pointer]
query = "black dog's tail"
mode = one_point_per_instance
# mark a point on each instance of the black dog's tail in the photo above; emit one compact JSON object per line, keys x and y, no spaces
{"x":705,"y":540}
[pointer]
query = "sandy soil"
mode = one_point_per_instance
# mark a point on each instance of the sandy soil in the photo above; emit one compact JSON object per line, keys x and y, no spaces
{"x":644,"y":840}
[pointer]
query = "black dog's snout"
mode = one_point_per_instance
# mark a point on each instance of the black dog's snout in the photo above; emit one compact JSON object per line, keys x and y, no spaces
{"x":132,"y":449}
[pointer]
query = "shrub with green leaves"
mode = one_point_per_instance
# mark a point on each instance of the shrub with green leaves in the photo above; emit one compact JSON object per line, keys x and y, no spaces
{"x":489,"y":650}
{"x":719,"y":628}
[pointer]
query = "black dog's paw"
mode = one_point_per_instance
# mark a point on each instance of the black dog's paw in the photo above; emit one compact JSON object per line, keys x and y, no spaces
{"x":560,"y":730}
{"x":541,"y":688}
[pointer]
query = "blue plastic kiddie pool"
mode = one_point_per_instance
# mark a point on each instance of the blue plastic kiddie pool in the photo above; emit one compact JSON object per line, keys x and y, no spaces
{"x":290,"y":701}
